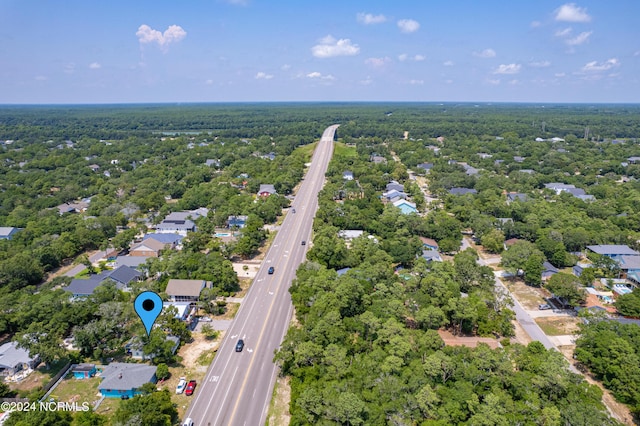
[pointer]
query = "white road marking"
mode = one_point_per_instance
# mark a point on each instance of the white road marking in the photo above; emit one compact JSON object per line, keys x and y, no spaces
{"x":214,"y":378}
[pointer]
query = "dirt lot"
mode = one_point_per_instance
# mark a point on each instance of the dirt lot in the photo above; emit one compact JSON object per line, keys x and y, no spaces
{"x":194,"y":361}
{"x":558,"y":326}
{"x":279,"y":408}
{"x":529,"y":297}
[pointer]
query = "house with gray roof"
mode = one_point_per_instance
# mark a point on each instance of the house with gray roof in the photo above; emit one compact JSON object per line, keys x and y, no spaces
{"x":7,"y":232}
{"x":394,"y":185}
{"x":426,"y":167}
{"x":121,"y":379}
{"x":431,"y":256}
{"x":266,"y":190}
{"x":548,"y":270}
{"x":462,"y":191}
{"x":347,"y":175}
{"x":212,"y":162}
{"x":184,"y":290}
{"x":14,"y":359}
{"x":516,"y":196}
{"x":180,"y":227}
{"x":123,"y":276}
{"x":394,"y":195}
{"x":613,"y":251}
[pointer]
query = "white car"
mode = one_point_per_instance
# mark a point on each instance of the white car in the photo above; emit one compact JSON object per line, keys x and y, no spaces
{"x":187,"y":422}
{"x":182,"y":384}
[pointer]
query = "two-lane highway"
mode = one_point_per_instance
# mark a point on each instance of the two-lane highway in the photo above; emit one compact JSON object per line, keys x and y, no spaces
{"x":237,"y":387}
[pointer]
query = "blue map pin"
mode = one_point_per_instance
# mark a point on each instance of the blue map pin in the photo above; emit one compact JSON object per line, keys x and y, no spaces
{"x":148,"y":306}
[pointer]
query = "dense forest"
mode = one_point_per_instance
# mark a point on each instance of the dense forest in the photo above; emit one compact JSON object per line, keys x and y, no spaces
{"x":366,"y":350}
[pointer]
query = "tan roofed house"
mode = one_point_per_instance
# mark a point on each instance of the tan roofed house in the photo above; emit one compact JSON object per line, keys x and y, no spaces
{"x":184,"y":290}
{"x":147,"y":248}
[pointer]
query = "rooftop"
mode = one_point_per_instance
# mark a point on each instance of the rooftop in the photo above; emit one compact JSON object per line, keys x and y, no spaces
{"x":126,"y":376}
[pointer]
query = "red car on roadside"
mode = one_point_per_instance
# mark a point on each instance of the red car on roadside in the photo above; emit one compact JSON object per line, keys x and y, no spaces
{"x":191,"y":386}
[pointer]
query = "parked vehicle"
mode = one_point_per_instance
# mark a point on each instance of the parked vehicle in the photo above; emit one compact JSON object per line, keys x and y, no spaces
{"x":544,"y":306}
{"x":191,"y":386}
{"x":182,"y":384}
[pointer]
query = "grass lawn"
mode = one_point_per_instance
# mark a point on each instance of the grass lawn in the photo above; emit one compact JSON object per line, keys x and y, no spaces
{"x":558,"y":326}
{"x":279,"y":407}
{"x":77,"y":390}
{"x":341,"y":150}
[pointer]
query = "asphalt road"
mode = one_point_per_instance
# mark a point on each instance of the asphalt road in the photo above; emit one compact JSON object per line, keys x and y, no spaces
{"x":238,"y":385}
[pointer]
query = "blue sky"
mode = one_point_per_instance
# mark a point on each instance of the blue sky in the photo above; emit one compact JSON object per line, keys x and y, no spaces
{"x":80,"y":51}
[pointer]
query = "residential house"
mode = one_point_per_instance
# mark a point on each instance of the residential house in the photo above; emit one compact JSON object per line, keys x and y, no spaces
{"x":7,"y":232}
{"x":122,"y":276}
{"x":558,"y":188}
{"x":613,"y":251}
{"x":629,"y":265}
{"x":484,"y":155}
{"x":94,"y":167}
{"x":237,"y":221}
{"x":431,"y":256}
{"x":516,"y":196}
{"x":633,"y":160}
{"x":121,"y":379}
{"x":429,"y":243}
{"x":180,"y":227}
{"x":184,"y":290}
{"x":130,"y":261}
{"x":184,"y":309}
{"x":394,"y":195}
{"x":14,"y":359}
{"x":462,"y":191}
{"x":84,"y":371}
{"x":342,"y":271}
{"x":147,"y":248}
{"x":527,"y":171}
{"x":518,"y":159}
{"x":394,"y":185}
{"x":350,"y":234}
{"x":212,"y":162}
{"x":548,"y":270}
{"x":266,"y":190}
{"x":377,"y":159}
{"x":426,"y":167}
{"x":77,"y":207}
{"x":347,"y":175}
{"x":406,"y":207}
{"x":579,"y":267}
{"x":135,"y":348}
{"x":170,"y":241}
{"x":511,"y":241}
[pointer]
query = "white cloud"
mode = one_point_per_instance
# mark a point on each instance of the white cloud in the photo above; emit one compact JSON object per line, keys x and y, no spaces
{"x":408,"y":25}
{"x":173,"y":34}
{"x":560,"y":74}
{"x":564,"y":32}
{"x":370,"y":19}
{"x":535,"y":24}
{"x":404,"y":57}
{"x":494,"y":82}
{"x":95,"y":66}
{"x":367,"y":81}
{"x":507,"y":69}
{"x":41,"y":78}
{"x":208,"y":82}
{"x":448,"y":63}
{"x":263,"y":76}
{"x":70,"y":68}
{"x":570,"y":12}
{"x":486,"y":53}
{"x":317,"y":75}
{"x":540,"y":64}
{"x":416,"y":82}
{"x":377,"y":62}
{"x":595,"y":66}
{"x":514,"y":82}
{"x":330,"y":47}
{"x":285,"y":67}
{"x":579,"y":39}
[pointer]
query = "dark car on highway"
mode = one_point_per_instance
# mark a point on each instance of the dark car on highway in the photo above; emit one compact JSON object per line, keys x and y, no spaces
{"x":240,"y":345}
{"x":270,"y":270}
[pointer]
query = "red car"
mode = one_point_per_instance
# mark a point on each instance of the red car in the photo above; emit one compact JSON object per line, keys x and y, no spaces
{"x":191,"y":386}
